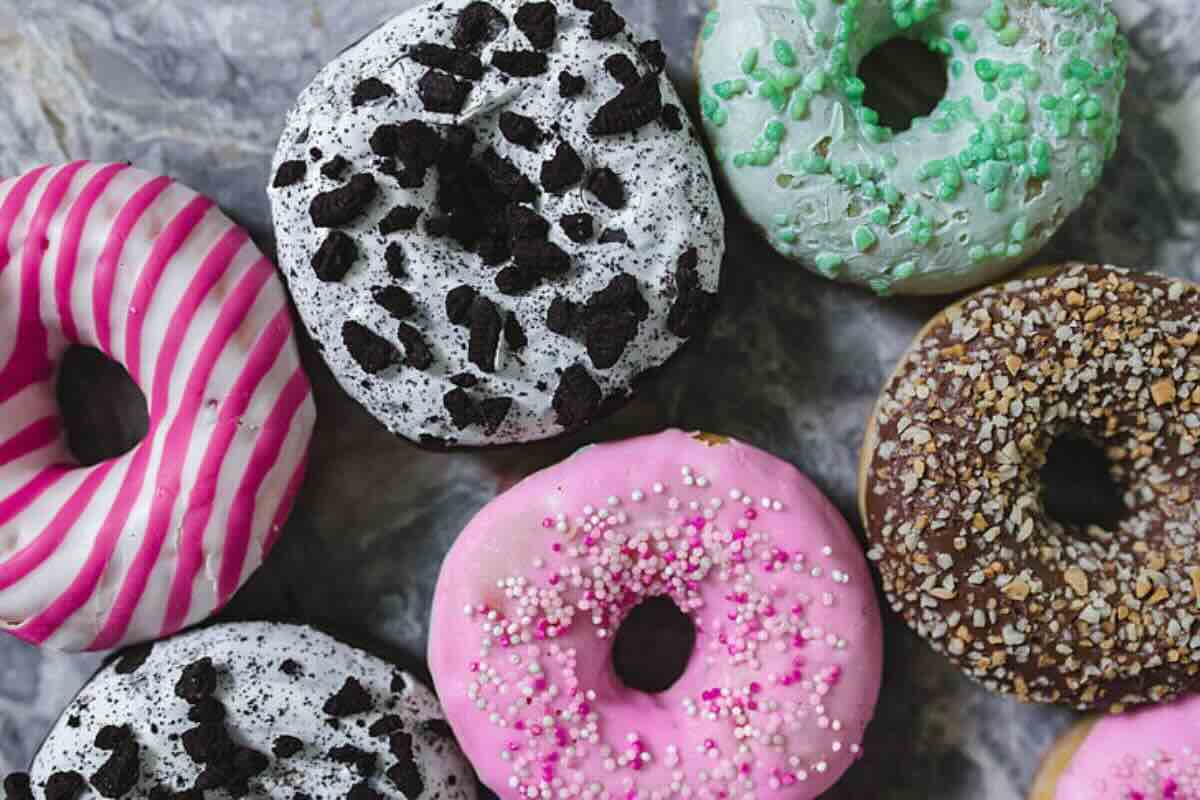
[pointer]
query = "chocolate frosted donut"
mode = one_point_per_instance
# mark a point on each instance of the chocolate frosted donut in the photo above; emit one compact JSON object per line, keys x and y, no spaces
{"x":952,"y":496}
{"x":495,"y":217}
{"x":250,"y":710}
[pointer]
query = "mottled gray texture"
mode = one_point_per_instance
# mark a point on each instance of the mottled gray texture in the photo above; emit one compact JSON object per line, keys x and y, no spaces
{"x":793,"y":364}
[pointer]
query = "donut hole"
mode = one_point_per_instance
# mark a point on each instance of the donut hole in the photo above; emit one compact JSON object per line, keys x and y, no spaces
{"x":653,"y":646}
{"x":1078,"y":488}
{"x":103,"y":411}
{"x":905,"y":81}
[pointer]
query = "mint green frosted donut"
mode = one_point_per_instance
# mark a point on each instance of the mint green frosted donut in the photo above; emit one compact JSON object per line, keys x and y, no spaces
{"x":970,"y":191}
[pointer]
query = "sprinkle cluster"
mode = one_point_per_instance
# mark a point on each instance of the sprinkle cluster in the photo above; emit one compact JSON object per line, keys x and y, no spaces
{"x":712,"y":553}
{"x":1159,"y":776}
{"x":953,"y":496}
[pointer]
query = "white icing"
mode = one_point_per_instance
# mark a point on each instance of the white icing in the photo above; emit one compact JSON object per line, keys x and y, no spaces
{"x":262,"y":703}
{"x":671,"y":206}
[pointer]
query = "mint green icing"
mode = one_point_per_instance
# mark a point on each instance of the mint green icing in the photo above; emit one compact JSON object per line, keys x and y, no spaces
{"x":970,"y":190}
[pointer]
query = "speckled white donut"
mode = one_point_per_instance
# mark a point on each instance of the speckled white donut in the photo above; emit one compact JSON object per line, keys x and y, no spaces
{"x":274,"y":682}
{"x":671,"y":208}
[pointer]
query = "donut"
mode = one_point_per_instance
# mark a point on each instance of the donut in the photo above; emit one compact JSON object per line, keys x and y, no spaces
{"x":775,"y":692}
{"x":1151,"y":754}
{"x":1029,"y":118}
{"x":254,"y":709}
{"x":952,"y":498}
{"x":495,"y":219}
{"x":156,"y":278}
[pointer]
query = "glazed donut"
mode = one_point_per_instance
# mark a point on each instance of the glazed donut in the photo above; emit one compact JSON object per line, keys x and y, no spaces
{"x":156,"y":278}
{"x":952,"y":498}
{"x":1151,"y":754}
{"x":786,"y":665}
{"x":496,"y":219}
{"x":1029,"y":119}
{"x":250,"y":709}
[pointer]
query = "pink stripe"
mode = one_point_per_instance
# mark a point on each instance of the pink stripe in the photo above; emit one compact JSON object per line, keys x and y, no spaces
{"x":266,"y":454}
{"x":31,"y":439}
{"x":200,"y":502}
{"x":14,"y":204}
{"x":110,"y":258}
{"x":28,"y":494}
{"x":182,"y":430}
{"x":39,"y":628}
{"x":166,"y":247}
{"x":68,"y":253}
{"x":286,"y":504}
{"x":34,"y":554}
{"x":30,"y":360}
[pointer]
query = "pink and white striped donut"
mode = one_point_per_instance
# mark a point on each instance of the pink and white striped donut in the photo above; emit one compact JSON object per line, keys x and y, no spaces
{"x":158,"y":279}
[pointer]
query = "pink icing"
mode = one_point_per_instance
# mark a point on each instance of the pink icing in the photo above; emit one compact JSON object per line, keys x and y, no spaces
{"x":788,"y":658}
{"x":154,"y":276}
{"x":1152,"y":754}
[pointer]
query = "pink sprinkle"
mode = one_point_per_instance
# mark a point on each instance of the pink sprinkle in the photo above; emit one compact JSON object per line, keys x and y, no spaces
{"x":539,"y":685}
{"x":709,"y":744}
{"x":751,"y":513}
{"x":745,"y":768}
{"x":556,"y":547}
{"x":584,"y":709}
{"x":699,"y":522}
{"x":739,"y":534}
{"x":519,"y":724}
{"x":755,"y":687}
{"x":547,"y":773}
{"x":547,"y":523}
{"x":589,"y":540}
{"x":513,"y":747}
{"x":1169,"y":789}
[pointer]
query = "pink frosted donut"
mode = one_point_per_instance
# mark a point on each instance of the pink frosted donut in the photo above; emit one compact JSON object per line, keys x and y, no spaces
{"x":159,"y":280}
{"x":1152,"y":754}
{"x":786,"y":667}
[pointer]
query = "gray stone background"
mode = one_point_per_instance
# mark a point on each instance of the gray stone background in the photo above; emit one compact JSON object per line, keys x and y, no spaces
{"x":197,"y":89}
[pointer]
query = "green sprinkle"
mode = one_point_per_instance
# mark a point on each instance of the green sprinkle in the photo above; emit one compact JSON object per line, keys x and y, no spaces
{"x":986,"y":70}
{"x":816,"y":81}
{"x":788,"y":236}
{"x":880,"y":286}
{"x":1010,"y":35}
{"x":904,"y":270}
{"x":750,"y":60}
{"x":829,"y":262}
{"x":784,"y":53}
{"x":1019,"y":231}
{"x":805,"y":8}
{"x":995,"y":200}
{"x":775,"y":131}
{"x":881,"y":215}
{"x":978,"y":253}
{"x":864,"y":239}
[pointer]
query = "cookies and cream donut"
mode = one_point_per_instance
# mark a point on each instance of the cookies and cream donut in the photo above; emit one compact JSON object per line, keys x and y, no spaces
{"x":156,"y":278}
{"x":777,"y":685}
{"x":1030,"y":117}
{"x":495,"y":217}
{"x":1151,"y":754}
{"x":251,"y":709}
{"x":952,"y":497}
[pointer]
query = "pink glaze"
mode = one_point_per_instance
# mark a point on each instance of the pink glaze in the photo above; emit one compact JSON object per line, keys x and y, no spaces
{"x":158,"y":279}
{"x":788,"y":658}
{"x":1153,"y":754}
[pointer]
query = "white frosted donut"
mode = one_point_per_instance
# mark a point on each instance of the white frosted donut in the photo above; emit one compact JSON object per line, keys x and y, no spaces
{"x":159,"y":280}
{"x":252,"y":709}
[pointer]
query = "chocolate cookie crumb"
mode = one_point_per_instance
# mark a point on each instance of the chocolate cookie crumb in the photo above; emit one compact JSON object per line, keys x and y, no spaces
{"x":335,"y":168}
{"x":607,"y":187}
{"x":458,"y":304}
{"x":386,"y":726}
{"x":343,"y":205}
{"x":638,"y":104}
{"x":120,"y":772}
{"x":561,"y":316}
{"x":131,"y":660}
{"x":351,"y":699}
{"x":64,"y":786}
{"x":396,"y":301}
{"x":570,"y":85}
{"x":652,"y":51}
{"x":605,"y":22}
{"x":370,"y":351}
{"x":286,"y":746}
{"x":463,"y":414}
{"x":442,"y":93}
{"x":464,"y":380}
{"x":210,"y":709}
{"x":198,"y":681}
{"x":514,"y":334}
{"x":485,"y":334}
{"x":672,"y":117}
{"x":370,"y":90}
{"x":614,"y":236}
{"x":515,"y":280}
{"x":395,"y":259}
{"x":456,"y":62}
{"x":539,"y":23}
{"x":520,"y":63}
{"x":563,"y":170}
{"x":400,"y":218}
{"x":416,"y":352}
{"x":494,"y":410}
{"x":693,"y":305}
{"x":621,"y":68}
{"x":17,"y":787}
{"x":578,"y":227}
{"x":520,"y":130}
{"x":289,"y":173}
{"x":478,"y":24}
{"x":335,"y":257}
{"x":577,"y":398}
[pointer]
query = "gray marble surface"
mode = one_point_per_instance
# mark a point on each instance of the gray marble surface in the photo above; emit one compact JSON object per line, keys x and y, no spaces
{"x":198,"y":89}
